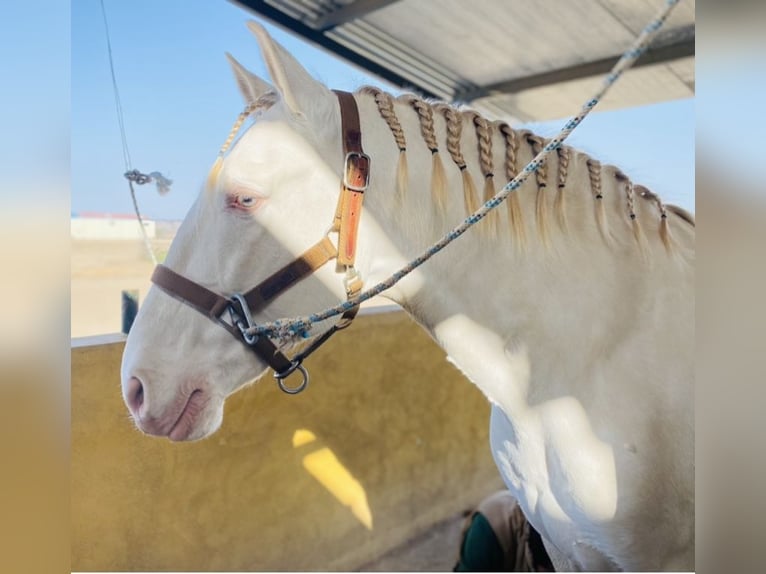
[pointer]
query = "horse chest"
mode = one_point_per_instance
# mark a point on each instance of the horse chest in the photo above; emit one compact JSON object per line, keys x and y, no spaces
{"x":564,"y":481}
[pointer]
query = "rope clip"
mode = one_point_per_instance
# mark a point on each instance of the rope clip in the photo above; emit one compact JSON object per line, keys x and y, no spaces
{"x":244,"y":321}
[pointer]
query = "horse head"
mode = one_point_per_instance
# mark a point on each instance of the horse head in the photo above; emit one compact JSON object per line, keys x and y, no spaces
{"x":266,"y":202}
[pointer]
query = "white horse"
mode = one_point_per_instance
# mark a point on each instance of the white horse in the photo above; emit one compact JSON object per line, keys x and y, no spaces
{"x":571,"y":308}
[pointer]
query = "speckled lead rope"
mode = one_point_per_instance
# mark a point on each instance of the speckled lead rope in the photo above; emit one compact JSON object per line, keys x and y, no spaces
{"x":300,"y":326}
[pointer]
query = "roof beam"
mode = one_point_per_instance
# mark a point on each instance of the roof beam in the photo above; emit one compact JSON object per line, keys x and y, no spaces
{"x":352,"y":11}
{"x":673,"y":45}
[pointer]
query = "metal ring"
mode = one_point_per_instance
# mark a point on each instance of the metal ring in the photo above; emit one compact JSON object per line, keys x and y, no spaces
{"x":295,"y":366}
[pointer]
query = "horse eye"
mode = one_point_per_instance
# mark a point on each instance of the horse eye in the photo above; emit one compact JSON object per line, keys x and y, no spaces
{"x":242,"y":201}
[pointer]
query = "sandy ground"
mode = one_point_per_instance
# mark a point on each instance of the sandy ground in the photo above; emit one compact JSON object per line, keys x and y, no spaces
{"x":100,"y":271}
{"x":436,"y":550}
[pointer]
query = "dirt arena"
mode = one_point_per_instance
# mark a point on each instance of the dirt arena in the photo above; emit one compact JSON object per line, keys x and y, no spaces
{"x":100,"y":271}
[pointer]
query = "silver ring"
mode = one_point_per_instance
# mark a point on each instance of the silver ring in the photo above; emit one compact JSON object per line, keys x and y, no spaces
{"x":292,"y":390}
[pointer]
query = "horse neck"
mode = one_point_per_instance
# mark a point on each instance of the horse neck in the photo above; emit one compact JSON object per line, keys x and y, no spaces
{"x":567,"y":260}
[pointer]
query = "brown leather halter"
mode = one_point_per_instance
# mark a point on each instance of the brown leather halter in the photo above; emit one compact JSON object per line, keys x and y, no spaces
{"x":241,"y":307}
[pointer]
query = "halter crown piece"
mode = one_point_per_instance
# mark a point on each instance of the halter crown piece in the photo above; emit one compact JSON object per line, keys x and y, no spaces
{"x":235,"y":313}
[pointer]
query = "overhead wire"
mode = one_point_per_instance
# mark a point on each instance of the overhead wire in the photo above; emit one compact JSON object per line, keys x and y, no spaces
{"x":132,"y":175}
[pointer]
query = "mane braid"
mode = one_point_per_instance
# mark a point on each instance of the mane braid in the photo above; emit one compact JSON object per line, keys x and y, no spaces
{"x":563,"y":157}
{"x":594,"y":173}
{"x":385,"y":105}
{"x":665,"y":235}
{"x":484,"y":137}
{"x":631,"y":202}
{"x":438,"y":176}
{"x":484,"y":131}
{"x":454,"y":125}
{"x":514,"y":205}
{"x":541,"y":175}
{"x":264,"y":102}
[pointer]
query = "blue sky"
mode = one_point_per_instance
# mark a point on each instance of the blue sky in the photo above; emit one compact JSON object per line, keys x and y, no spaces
{"x":179,"y":100}
{"x":34,"y":102}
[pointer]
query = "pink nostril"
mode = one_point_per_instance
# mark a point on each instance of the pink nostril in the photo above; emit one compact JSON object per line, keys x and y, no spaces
{"x":134,"y":395}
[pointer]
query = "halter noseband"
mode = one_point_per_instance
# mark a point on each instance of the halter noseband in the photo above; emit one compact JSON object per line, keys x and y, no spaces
{"x":240,"y":308}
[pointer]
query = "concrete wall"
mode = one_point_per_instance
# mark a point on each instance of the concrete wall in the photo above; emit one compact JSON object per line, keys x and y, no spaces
{"x":387,"y":440}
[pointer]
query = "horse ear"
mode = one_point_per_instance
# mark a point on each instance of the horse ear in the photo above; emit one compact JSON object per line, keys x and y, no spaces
{"x":298,"y":89}
{"x":250,"y":85}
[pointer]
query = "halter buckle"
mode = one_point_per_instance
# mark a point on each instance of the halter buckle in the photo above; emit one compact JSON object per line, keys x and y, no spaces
{"x":356,"y":171}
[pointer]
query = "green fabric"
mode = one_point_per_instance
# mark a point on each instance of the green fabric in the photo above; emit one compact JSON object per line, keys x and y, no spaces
{"x":481,"y":552}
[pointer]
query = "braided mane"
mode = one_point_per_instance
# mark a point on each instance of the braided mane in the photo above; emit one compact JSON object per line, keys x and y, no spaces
{"x":458,"y":121}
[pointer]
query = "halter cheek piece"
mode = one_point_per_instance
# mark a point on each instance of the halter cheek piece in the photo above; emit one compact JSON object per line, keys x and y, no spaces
{"x":235,"y":313}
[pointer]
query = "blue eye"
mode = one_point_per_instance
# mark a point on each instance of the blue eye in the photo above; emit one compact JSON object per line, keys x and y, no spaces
{"x":243,"y":201}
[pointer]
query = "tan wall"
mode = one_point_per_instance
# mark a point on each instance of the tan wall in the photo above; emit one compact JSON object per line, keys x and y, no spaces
{"x":400,"y":437}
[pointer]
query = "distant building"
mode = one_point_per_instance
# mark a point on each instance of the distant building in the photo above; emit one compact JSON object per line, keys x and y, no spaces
{"x":89,"y":225}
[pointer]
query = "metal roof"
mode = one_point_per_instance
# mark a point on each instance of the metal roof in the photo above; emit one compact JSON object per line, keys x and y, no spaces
{"x":521,"y":59}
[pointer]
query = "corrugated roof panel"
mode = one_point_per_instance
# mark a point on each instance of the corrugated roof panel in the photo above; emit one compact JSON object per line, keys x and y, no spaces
{"x":550,"y":54}
{"x":377,"y":45}
{"x":635,"y":14}
{"x":635,"y":88}
{"x":496,"y":39}
{"x":304,"y":10}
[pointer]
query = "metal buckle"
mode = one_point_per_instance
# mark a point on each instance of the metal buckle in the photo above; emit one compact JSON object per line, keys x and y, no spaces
{"x":238,"y":298}
{"x":355,"y":167}
{"x":294,"y":366}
